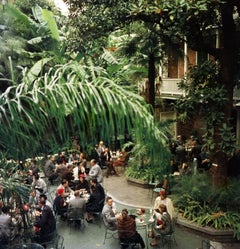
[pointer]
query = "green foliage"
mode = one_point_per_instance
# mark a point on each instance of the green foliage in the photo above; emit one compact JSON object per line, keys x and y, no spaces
{"x":67,"y":100}
{"x":199,"y":201}
{"x":206,"y":98}
{"x":25,"y":39}
{"x":148,"y":163}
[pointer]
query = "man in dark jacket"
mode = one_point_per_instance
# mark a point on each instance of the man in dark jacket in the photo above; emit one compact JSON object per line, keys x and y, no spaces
{"x":45,"y":224}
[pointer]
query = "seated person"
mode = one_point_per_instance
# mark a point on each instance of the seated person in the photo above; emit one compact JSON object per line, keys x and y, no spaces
{"x":39,"y":184}
{"x":68,"y":175}
{"x":127,"y":230}
{"x":77,"y":201}
{"x":109,"y":217}
{"x":8,"y":225}
{"x":50,"y":169}
{"x":109,"y":163}
{"x":74,"y":204}
{"x":45,"y":224}
{"x":61,"y":169}
{"x":122,"y":160}
{"x":96,"y":199}
{"x":59,"y":204}
{"x":83,"y":183}
{"x":32,"y":200}
{"x":48,"y":203}
{"x":162,"y":226}
{"x":67,"y":191}
{"x":163,"y":199}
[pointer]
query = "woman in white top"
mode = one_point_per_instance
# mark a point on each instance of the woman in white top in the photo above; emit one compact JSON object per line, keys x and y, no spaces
{"x":163,"y":199}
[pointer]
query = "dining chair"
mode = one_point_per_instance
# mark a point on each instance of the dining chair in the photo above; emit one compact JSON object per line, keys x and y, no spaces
{"x":169,"y":239}
{"x":110,"y":234}
{"x":75,"y":216}
{"x":128,"y":243}
{"x":97,"y":218}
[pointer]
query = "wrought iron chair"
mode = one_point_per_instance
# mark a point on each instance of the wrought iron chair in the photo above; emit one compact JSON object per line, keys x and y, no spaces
{"x":128,"y":243}
{"x":98,"y":215}
{"x":76,"y":216}
{"x":110,"y":234}
{"x":169,"y":239}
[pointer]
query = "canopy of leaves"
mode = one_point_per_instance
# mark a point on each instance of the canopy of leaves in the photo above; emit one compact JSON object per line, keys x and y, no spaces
{"x":70,"y":99}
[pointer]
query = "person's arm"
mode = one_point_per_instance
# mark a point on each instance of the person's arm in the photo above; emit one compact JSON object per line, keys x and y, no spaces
{"x":108,"y":216}
{"x":93,"y":172}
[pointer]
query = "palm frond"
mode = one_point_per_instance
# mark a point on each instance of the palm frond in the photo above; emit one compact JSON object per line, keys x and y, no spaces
{"x":72,"y":99}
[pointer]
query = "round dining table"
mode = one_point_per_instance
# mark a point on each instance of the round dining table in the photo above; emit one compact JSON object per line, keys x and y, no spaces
{"x":144,"y":218}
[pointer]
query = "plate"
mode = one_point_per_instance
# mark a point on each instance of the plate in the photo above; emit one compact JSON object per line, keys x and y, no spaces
{"x":140,"y":221}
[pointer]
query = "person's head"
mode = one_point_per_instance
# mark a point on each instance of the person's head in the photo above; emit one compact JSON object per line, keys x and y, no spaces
{"x":109,"y":201}
{"x":5,"y":209}
{"x":82,"y":156}
{"x":41,"y":202}
{"x":124,"y":213}
{"x":36,"y":176}
{"x":162,"y":194}
{"x":65,"y":183}
{"x":43,"y":196}
{"x":93,"y":182}
{"x":60,"y":192}
{"x":162,"y":208}
{"x":93,"y":162}
{"x":77,"y":193}
{"x":184,"y":165}
{"x":52,"y":158}
{"x":33,"y":193}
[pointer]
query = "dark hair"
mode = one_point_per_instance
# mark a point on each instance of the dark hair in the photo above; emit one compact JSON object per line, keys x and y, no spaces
{"x":108,"y":198}
{"x":94,"y":180}
{"x":124,"y":213}
{"x":64,"y":181}
{"x":5,"y":209}
{"x":43,"y":196}
{"x":163,"y":207}
{"x":36,"y":176}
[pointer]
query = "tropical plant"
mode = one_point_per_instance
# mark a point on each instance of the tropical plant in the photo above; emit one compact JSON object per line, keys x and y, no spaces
{"x":12,"y":186}
{"x":27,"y":39}
{"x":198,"y":200}
{"x":68,"y":100}
{"x":194,"y":22}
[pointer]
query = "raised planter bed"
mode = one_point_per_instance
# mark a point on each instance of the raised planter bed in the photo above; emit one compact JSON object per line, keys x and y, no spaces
{"x":138,"y":182}
{"x":223,"y":236}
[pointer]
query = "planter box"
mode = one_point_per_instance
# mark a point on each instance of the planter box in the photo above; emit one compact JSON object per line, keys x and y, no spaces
{"x":223,"y":236}
{"x":138,"y":182}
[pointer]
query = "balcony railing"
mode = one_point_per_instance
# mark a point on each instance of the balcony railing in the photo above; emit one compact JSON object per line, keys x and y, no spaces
{"x":169,"y":90}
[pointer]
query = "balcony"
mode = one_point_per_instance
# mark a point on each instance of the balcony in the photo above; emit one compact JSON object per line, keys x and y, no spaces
{"x":168,"y":89}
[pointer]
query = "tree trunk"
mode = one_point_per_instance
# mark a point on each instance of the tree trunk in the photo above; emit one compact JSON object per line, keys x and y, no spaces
{"x":151,"y":81}
{"x":228,"y":56}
